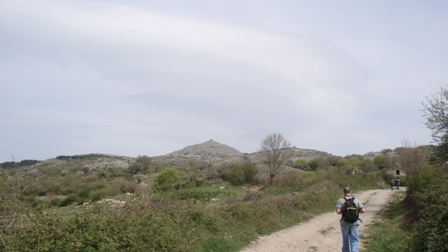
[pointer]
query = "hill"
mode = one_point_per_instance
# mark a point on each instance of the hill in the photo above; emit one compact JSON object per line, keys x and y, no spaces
{"x":91,"y":161}
{"x":206,"y":152}
{"x":210,"y":149}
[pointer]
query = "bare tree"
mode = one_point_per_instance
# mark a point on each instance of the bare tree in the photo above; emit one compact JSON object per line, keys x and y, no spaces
{"x":436,"y":112}
{"x":14,"y":187}
{"x":275,"y":151}
{"x":410,"y":157}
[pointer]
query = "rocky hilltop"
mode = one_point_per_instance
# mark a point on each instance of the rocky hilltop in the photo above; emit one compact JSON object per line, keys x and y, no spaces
{"x":208,"y":152}
{"x":218,"y":153}
{"x":209,"y":148}
{"x":213,"y":149}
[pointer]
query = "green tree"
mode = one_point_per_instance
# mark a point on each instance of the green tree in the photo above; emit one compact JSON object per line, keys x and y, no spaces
{"x":301,"y":164}
{"x":275,"y":151}
{"x":385,"y":151}
{"x":356,"y":160}
{"x":342,"y":163}
{"x":166,"y":179}
{"x":368,"y":166}
{"x":381,"y":161}
{"x":141,"y":164}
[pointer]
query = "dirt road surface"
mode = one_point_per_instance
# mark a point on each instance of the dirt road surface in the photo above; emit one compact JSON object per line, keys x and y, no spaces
{"x":322,"y":233}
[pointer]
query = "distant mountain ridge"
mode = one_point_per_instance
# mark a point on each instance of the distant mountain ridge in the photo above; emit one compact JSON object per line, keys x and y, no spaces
{"x":209,"y":151}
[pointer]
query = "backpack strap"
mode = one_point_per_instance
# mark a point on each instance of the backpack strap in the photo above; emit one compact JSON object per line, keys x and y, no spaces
{"x":356,"y":207}
{"x":342,"y":210}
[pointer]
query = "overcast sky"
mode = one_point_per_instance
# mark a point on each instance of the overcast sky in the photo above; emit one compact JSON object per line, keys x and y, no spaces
{"x":151,"y":77}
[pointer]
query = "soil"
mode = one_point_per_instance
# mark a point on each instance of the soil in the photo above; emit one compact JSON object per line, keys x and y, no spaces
{"x":321,"y":233}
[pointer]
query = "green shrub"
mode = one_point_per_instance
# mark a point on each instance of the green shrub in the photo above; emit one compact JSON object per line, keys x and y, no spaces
{"x":430,"y":232}
{"x":368,"y":166}
{"x":98,"y":194}
{"x":301,"y":164}
{"x":241,"y":173}
{"x":70,"y":199}
{"x":288,"y":181}
{"x":342,"y":162}
{"x":234,"y":175}
{"x":166,"y":179}
{"x":54,"y":201}
{"x":313,"y":164}
{"x":420,"y":180}
{"x":84,"y":194}
{"x":308,"y":178}
{"x":121,"y":185}
{"x":371,"y":177}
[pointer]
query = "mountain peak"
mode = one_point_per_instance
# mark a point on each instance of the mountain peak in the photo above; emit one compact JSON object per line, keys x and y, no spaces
{"x":209,"y":148}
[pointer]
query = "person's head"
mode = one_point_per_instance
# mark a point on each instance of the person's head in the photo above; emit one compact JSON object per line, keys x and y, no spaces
{"x":347,"y":190}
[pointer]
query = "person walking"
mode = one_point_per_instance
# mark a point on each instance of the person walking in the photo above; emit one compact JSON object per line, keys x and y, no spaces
{"x":349,"y":228}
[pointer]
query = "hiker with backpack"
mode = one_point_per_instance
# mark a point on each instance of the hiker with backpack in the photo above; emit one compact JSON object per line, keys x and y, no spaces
{"x":350,"y":208}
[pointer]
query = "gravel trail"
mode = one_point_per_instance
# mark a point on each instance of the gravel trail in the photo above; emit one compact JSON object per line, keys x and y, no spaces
{"x":322,"y":233}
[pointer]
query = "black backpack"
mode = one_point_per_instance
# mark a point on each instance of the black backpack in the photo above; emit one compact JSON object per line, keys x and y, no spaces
{"x":350,"y":212}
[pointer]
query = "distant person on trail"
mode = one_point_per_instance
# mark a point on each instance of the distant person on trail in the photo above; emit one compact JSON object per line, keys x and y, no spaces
{"x":392,"y":182}
{"x":350,"y":208}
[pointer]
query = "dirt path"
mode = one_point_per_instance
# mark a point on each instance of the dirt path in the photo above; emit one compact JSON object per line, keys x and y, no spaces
{"x":321,"y":233}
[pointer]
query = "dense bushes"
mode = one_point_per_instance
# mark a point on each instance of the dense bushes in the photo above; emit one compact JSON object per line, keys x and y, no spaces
{"x":298,"y":181}
{"x":154,"y":225}
{"x":11,"y":165}
{"x":241,"y":173}
{"x":428,"y":196}
{"x":187,"y":210}
{"x":423,"y":214}
{"x":51,"y":188}
{"x":175,"y":220}
{"x":90,"y":231}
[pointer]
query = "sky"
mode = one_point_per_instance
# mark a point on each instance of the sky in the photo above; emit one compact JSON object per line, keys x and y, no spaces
{"x":152,"y":77}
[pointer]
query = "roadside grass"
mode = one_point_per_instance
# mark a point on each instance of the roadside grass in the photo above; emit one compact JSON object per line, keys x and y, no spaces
{"x":387,"y":234}
{"x":225,"y":225}
{"x":243,"y":222}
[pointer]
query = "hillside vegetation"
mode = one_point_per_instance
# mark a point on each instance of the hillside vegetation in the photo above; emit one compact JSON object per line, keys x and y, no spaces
{"x":206,"y":197}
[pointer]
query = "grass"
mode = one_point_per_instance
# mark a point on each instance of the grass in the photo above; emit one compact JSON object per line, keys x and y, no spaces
{"x":326,"y":231}
{"x":386,"y":234}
